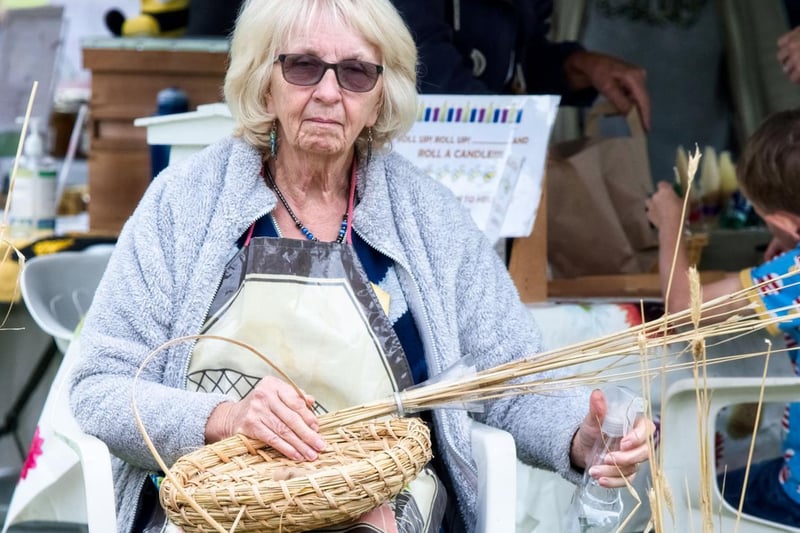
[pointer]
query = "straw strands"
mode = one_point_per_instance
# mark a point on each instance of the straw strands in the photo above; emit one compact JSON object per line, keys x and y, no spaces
{"x":234,"y":485}
{"x":626,"y":355}
{"x":5,"y":242}
{"x":198,"y":492}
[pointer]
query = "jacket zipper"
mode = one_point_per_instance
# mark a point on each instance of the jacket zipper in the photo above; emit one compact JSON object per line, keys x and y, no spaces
{"x":138,"y":502}
{"x":465,"y":464}
{"x":207,"y":309}
{"x":185,"y":380}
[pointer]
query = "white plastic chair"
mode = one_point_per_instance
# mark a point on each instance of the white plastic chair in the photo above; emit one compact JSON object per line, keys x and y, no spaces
{"x":71,"y":481}
{"x":58,"y":288}
{"x":495,"y":455}
{"x":680,"y":442}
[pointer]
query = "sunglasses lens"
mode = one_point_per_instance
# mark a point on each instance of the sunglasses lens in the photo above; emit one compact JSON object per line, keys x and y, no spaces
{"x":357,"y":75}
{"x":304,"y":69}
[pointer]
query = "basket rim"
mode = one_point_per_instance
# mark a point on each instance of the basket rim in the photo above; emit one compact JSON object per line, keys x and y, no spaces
{"x":349,"y":489}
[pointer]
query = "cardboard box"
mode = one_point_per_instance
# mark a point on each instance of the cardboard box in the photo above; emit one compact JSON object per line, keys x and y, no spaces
{"x":127,"y":75}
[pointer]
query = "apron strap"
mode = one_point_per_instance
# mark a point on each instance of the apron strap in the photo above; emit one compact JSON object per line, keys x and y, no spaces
{"x":350,"y":202}
{"x":249,"y":234}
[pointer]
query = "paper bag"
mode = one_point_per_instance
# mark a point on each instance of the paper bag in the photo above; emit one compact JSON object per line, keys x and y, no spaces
{"x":596,"y":191}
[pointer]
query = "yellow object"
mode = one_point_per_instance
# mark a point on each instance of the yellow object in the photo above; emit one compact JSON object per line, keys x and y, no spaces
{"x":681,"y":166}
{"x":10,"y":262}
{"x":19,"y":4}
{"x":709,"y":178}
{"x":9,"y":271}
{"x":727,"y":175}
{"x":158,"y":18}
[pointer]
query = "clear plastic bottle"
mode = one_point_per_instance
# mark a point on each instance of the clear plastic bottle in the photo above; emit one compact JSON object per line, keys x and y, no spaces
{"x":597,"y":509}
{"x":33,"y":200}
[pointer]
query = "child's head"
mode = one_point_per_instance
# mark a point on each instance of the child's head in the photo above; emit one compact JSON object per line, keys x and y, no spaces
{"x":768,"y":170}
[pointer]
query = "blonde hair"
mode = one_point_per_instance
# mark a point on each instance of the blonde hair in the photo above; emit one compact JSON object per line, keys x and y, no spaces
{"x":264,"y":26}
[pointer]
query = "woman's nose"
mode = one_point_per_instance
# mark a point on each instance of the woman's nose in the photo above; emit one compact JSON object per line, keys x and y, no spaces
{"x":328,"y":86}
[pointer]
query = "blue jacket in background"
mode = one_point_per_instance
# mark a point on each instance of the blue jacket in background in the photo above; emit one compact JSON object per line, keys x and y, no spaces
{"x":477,"y":46}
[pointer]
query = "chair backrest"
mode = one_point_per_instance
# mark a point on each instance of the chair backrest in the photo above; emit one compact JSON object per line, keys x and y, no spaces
{"x":681,"y":440}
{"x":70,"y":481}
{"x":58,"y":288}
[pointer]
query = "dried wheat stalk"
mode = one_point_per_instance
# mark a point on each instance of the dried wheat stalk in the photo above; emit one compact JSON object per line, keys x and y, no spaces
{"x":8,"y":246}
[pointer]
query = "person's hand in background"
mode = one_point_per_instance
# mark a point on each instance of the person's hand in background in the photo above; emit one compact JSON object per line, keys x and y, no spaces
{"x":789,"y":54}
{"x":774,"y":249}
{"x":664,"y":209}
{"x":622,"y":83}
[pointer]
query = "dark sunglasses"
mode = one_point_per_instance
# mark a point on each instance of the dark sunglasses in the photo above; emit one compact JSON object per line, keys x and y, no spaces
{"x":306,"y":70}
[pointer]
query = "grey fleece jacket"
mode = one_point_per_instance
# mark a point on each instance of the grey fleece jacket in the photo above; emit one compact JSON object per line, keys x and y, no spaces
{"x":169,"y":260}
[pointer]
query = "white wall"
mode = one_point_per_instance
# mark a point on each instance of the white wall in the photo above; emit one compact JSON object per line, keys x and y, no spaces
{"x":86,"y":18}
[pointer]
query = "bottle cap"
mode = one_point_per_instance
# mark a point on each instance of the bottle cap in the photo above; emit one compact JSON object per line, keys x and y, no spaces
{"x":34,"y":144}
{"x":623,"y":406}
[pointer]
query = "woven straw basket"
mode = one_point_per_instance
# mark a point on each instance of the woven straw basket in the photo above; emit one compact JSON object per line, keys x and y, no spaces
{"x":240,"y":484}
{"x":245,"y":486}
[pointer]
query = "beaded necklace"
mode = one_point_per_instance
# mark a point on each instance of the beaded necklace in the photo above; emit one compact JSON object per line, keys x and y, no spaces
{"x":303,"y":229}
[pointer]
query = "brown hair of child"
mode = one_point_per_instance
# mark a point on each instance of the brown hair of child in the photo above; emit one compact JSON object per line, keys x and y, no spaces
{"x":768,"y":170}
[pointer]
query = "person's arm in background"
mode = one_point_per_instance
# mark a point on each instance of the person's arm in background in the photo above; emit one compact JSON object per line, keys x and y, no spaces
{"x":623,"y":84}
{"x":446,"y":69}
{"x":544,"y":63}
{"x":563,"y":68}
{"x":664,"y":210}
{"x":577,"y":74}
{"x":789,"y":54}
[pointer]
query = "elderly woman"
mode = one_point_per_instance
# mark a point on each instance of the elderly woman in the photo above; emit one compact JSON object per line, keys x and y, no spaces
{"x":304,"y":236}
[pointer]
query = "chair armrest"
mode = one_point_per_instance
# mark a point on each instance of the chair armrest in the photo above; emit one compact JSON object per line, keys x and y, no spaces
{"x":682,"y":435}
{"x":495,"y":455}
{"x":97,"y":477}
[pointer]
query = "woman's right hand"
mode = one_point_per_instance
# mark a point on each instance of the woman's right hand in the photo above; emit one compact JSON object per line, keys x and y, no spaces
{"x":274,"y":413}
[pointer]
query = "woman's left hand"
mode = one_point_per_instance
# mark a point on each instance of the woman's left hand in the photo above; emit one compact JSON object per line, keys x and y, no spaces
{"x":617,"y":465}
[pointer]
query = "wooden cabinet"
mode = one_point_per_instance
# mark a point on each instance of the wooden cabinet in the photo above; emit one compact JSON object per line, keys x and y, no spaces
{"x":127,"y":75}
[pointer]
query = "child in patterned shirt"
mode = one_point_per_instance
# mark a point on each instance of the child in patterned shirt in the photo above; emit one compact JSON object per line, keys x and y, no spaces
{"x":768,"y":173}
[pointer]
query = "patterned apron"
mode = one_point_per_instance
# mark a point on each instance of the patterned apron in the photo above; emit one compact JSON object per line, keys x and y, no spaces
{"x":309,"y":307}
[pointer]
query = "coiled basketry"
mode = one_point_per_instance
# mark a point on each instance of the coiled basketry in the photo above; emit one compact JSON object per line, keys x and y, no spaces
{"x":245,"y":486}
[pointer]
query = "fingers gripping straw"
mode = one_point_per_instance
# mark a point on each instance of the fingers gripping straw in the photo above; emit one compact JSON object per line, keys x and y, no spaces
{"x":597,"y":509}
{"x":464,"y":369}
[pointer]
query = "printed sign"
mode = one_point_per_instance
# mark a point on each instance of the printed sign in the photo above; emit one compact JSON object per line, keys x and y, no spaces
{"x":489,"y":150}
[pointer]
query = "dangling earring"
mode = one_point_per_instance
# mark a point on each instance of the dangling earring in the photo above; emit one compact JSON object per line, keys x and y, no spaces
{"x":273,"y":140}
{"x":369,"y":145}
